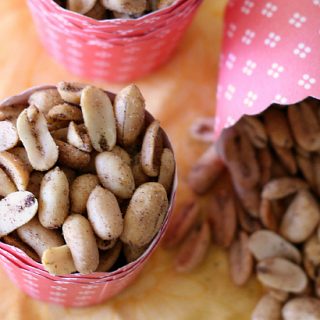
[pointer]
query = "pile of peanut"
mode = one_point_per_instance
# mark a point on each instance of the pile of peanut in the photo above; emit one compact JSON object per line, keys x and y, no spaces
{"x":82,"y":179}
{"x":257,"y":194}
{"x":114,"y":9}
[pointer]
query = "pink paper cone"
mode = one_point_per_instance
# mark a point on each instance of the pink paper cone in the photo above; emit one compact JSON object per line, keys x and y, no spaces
{"x":74,"y":290}
{"x":270,"y":55}
{"x":125,"y":54}
{"x":66,"y":293}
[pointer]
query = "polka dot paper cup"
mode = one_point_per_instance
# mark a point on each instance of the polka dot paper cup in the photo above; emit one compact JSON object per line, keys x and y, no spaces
{"x":270,"y":55}
{"x":74,"y":290}
{"x":111,"y":50}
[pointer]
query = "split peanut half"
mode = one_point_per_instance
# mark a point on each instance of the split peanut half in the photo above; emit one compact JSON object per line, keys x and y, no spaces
{"x":99,"y":118}
{"x":37,"y":140}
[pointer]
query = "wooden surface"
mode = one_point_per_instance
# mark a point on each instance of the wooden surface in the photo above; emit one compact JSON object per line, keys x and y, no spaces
{"x":176,"y":94}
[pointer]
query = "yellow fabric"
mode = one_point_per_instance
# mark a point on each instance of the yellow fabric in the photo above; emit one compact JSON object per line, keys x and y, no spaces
{"x":176,"y":94}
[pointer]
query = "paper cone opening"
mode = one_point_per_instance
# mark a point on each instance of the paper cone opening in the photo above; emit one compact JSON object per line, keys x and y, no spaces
{"x":269,"y":55}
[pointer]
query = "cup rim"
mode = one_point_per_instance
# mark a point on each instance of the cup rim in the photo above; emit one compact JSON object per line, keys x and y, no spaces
{"x":173,"y":6}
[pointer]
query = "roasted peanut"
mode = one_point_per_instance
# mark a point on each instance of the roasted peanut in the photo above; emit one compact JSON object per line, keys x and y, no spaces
{"x":60,"y":134}
{"x":181,"y":223}
{"x":246,"y":221}
{"x":115,"y":175}
{"x":305,"y":308}
{"x":267,"y":244}
{"x":129,"y":109}
{"x":265,"y":161}
{"x":35,"y":183}
{"x":70,"y":174}
{"x":123,"y":154}
{"x":250,"y":200}
{"x":38,"y":237}
{"x":306,"y":167}
{"x":286,"y":157}
{"x":54,"y":199}
{"x":108,"y":258}
{"x":205,"y":171}
{"x":164,"y":3}
{"x":99,"y":118}
{"x":255,"y":131}
{"x":80,"y":190}
{"x":66,"y":112}
{"x":104,"y":214}
{"x":130,"y":7}
{"x":240,"y":260}
{"x":80,"y":238}
{"x":269,"y":214}
{"x":239,"y":156}
{"x":167,"y":167}
{"x":71,"y":156}
{"x":145,"y":214}
{"x":268,"y":308}
{"x":132,"y":253}
{"x":194,"y":248}
{"x":279,"y":273}
{"x":16,"y":209}
{"x":91,"y":166}
{"x":98,"y":12}
{"x":152,"y":5}
{"x":15,"y":169}
{"x":38,"y":142}
{"x":44,"y":100}
{"x":311,"y":254}
{"x":280,"y":295}
{"x":11,"y":112}
{"x":80,"y":6}
{"x":21,"y":153}
{"x":222,"y":217}
{"x":305,"y":126}
{"x":301,"y":218}
{"x":8,"y":135}
{"x":54,"y":125}
{"x":70,"y":91}
{"x":151,"y":151}
{"x":78,"y":137}
{"x":58,"y":260}
{"x":13,"y":240}
{"x":282,"y":187}
{"x":139,"y":176}
{"x":277,"y":127}
{"x":6,"y":186}
{"x":301,"y":151}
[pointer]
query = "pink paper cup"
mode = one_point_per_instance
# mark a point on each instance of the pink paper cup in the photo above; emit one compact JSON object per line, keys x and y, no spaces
{"x":111,"y":50}
{"x":74,"y":290}
{"x":270,"y":55}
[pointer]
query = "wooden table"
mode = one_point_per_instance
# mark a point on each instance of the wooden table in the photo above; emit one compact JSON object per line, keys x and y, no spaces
{"x":176,"y":94}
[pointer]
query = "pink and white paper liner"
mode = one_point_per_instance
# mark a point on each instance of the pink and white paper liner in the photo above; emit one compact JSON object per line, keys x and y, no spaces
{"x":270,"y":55}
{"x":116,"y":50}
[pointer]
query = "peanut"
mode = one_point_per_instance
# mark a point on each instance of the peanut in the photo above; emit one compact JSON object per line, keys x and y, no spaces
{"x":104,"y":214}
{"x":38,"y":142}
{"x":129,"y":107}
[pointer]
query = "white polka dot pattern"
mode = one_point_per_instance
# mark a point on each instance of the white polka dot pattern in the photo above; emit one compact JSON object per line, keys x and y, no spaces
{"x":112,"y":50}
{"x":270,"y":54}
